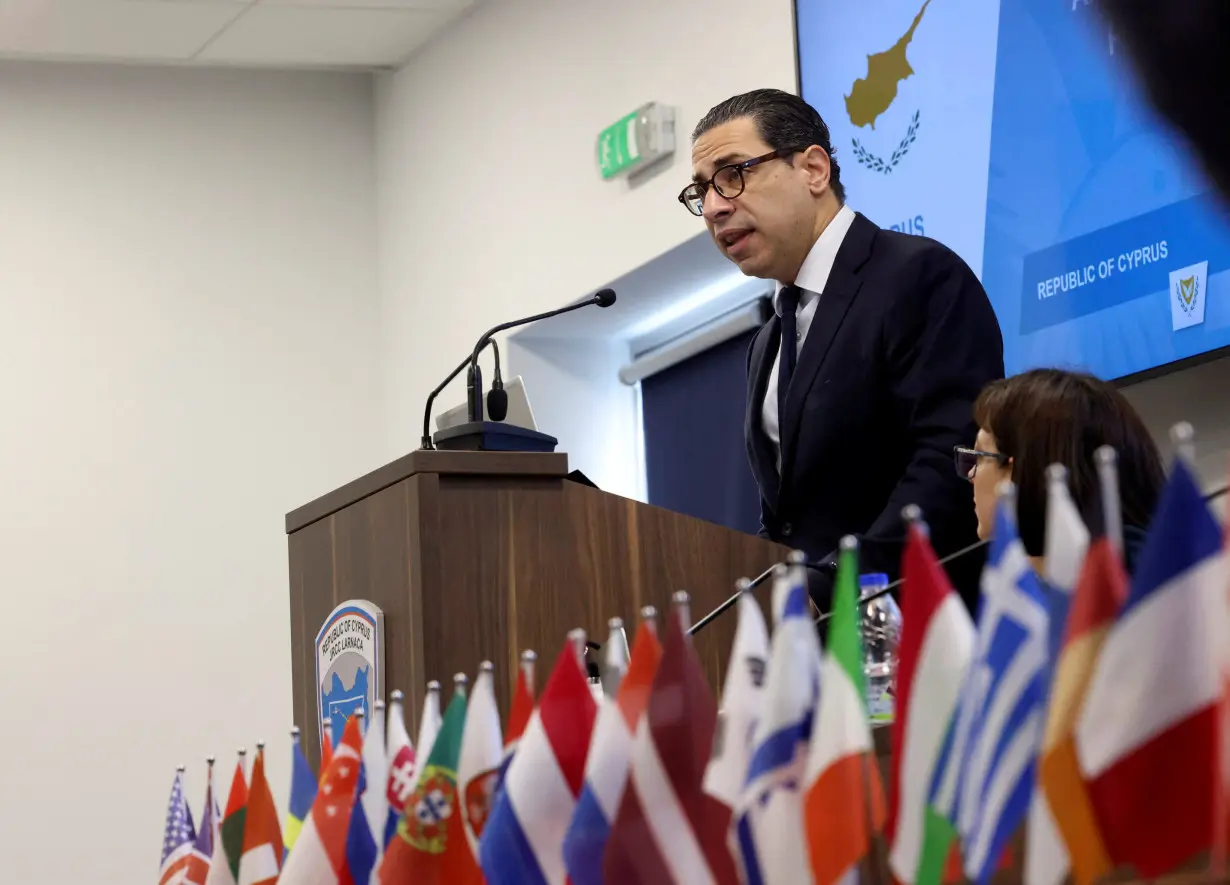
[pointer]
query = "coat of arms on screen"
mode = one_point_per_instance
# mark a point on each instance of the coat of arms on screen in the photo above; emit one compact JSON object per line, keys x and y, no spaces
{"x":1187,"y":291}
{"x":872,"y":95}
{"x":349,"y":662}
{"x":1188,"y":295}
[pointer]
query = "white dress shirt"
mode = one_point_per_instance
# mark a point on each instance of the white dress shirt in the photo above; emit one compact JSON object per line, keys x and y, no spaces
{"x":812,"y":278}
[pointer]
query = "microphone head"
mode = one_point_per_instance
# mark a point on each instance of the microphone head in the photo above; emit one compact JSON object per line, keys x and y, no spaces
{"x":497,"y":403}
{"x":605,"y":298}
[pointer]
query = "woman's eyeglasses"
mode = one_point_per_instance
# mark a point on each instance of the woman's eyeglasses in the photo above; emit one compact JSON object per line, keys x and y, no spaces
{"x":967,"y":460}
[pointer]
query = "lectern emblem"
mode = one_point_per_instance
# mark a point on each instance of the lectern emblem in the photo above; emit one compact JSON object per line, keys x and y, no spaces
{"x":349,"y":662}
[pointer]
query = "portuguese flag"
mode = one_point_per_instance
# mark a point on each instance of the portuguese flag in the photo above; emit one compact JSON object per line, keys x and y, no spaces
{"x":430,"y":846}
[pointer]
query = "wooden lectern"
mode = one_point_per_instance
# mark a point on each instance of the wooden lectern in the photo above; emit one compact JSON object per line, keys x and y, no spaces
{"x":479,"y":555}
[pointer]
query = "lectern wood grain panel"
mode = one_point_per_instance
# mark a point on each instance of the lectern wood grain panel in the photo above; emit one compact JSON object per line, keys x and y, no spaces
{"x":479,"y":555}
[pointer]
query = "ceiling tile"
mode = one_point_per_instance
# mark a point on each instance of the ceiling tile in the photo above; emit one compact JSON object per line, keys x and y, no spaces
{"x":111,"y":29}
{"x":271,"y":34}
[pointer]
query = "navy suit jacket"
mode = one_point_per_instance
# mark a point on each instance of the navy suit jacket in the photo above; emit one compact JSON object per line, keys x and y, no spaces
{"x":903,"y":340}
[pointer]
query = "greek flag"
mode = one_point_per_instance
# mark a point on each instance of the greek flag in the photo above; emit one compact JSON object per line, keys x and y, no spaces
{"x":986,"y":777}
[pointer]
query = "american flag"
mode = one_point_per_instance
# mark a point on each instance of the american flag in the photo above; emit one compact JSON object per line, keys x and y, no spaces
{"x":178,"y":837}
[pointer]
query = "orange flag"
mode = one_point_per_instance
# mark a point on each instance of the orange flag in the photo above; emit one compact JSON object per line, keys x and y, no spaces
{"x":261,"y":860}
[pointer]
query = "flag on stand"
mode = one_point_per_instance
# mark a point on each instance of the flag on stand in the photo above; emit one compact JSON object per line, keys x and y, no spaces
{"x":326,"y":745}
{"x":742,"y":707}
{"x":360,"y":865}
{"x":177,"y":836}
{"x":990,"y":768}
{"x":1147,"y":735}
{"x":937,"y":644}
{"x":261,"y":860}
{"x":1067,"y":540}
{"x":606,"y":767}
{"x":430,"y":722}
{"x":364,"y":840}
{"x":203,"y":848}
{"x":482,"y":748}
{"x":524,"y":838}
{"x":1068,"y":839}
{"x":769,"y":819}
{"x":228,"y":847}
{"x":302,"y":793}
{"x":319,"y":857}
{"x":519,"y":712}
{"x":664,"y":829}
{"x":400,"y":782}
{"x":843,"y":803}
{"x":615,"y":660}
{"x":430,"y":847}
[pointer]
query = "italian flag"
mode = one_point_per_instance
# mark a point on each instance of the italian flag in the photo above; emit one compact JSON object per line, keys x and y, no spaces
{"x":937,"y":645}
{"x":843,"y":802}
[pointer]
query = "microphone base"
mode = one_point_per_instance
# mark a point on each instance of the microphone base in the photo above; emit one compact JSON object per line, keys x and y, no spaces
{"x":493,"y":436}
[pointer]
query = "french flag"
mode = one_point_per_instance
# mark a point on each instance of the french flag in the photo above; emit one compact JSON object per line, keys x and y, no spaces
{"x":1148,"y":736}
{"x":524,"y":837}
{"x":606,"y":770}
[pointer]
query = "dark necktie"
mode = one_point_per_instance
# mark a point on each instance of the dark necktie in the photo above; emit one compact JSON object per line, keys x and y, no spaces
{"x":788,"y":354}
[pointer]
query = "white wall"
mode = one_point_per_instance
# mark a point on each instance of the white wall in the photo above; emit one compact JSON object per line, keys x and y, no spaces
{"x":187,"y":311}
{"x":491,"y":205}
{"x":577,"y":397}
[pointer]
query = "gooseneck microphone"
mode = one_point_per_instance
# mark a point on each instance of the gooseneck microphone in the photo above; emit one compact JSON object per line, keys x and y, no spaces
{"x":497,"y":399}
{"x":474,"y":383}
{"x":426,"y":440}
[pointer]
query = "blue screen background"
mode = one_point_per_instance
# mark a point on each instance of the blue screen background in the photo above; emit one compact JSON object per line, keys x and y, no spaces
{"x":1086,"y":188}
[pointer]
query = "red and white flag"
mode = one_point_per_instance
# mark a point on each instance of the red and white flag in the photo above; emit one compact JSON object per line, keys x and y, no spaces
{"x":667,"y":829}
{"x":263,"y":847}
{"x":319,"y":855}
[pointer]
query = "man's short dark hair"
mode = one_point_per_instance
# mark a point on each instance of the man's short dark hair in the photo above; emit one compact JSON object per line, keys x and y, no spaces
{"x":785,"y":122}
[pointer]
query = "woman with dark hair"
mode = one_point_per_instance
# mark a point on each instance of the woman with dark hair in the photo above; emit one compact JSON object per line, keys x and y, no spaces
{"x":1049,"y":416}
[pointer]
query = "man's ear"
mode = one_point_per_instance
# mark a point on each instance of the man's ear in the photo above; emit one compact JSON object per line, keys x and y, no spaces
{"x":816,"y":161}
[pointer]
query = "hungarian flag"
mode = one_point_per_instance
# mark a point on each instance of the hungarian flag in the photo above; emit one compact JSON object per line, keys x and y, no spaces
{"x":937,"y":645}
{"x":843,"y":803}
{"x":430,"y":847}
{"x":261,"y":860}
{"x":319,"y":855}
{"x":224,"y":868}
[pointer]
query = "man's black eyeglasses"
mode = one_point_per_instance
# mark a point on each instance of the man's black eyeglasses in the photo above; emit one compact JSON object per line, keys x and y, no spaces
{"x":727,"y":181}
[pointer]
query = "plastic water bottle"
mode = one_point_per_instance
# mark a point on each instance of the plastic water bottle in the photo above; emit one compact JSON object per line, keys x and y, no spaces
{"x":881,"y":628}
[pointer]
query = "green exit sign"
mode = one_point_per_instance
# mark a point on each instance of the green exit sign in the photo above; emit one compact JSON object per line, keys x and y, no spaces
{"x":636,"y":140}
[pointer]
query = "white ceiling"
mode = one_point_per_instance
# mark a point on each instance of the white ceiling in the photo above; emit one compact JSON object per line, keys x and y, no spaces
{"x":362,"y":34}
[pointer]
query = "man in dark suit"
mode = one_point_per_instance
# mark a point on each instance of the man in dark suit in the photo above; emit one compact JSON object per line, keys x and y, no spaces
{"x":864,"y":379}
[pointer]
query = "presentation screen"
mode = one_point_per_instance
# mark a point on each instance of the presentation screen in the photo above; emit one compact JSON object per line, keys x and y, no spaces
{"x":1014,"y":133}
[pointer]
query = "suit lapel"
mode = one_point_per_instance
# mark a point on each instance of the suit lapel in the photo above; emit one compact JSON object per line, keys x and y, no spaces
{"x":760,"y":450}
{"x":839,"y":293}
